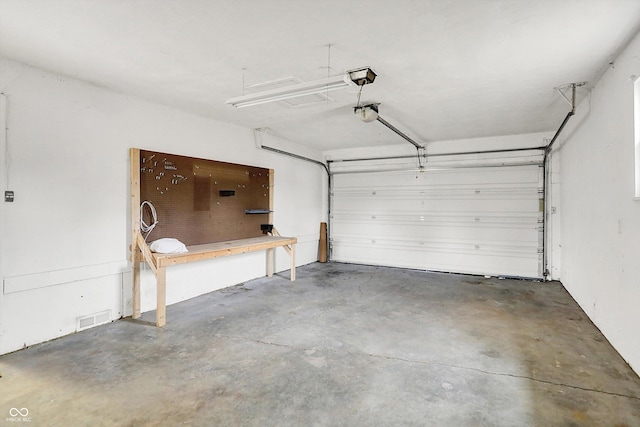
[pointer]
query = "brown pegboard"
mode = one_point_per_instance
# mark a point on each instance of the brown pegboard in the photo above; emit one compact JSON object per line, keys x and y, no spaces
{"x":193,"y":202}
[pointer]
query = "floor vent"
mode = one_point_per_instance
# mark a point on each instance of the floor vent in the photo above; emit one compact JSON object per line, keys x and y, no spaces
{"x":94,"y":319}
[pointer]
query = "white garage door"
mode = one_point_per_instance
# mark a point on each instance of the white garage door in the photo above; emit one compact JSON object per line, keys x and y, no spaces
{"x":477,"y":220}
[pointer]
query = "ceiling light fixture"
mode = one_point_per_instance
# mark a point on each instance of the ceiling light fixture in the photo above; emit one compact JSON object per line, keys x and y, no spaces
{"x":359,"y":77}
{"x":367,"y":113}
{"x":362,"y":76}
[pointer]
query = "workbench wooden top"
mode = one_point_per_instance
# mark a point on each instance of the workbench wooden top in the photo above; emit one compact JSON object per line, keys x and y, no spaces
{"x":220,"y":249}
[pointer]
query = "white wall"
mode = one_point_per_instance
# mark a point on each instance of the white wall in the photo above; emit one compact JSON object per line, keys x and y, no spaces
{"x":64,"y":241}
{"x":438,"y":147}
{"x":600,"y":219}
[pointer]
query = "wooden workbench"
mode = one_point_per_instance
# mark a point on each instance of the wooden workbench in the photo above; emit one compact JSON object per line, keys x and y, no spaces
{"x":159,"y":262}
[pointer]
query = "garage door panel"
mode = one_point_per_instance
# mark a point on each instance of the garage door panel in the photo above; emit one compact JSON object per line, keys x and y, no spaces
{"x":468,"y":220}
{"x":419,"y":206}
{"x":422,"y":232}
{"x":511,"y":175}
{"x":446,"y":258}
{"x":512,"y":219}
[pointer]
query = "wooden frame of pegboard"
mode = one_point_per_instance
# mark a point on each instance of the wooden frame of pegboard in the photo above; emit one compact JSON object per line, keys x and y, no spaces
{"x":211,"y":184}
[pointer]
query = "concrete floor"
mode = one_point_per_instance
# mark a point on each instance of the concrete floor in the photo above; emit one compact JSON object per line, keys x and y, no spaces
{"x":344,"y":345}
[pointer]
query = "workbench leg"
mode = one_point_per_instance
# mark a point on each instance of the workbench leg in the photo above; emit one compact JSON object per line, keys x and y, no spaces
{"x":161,"y":305}
{"x":135,"y":309}
{"x":293,"y":262}
{"x":270,"y":262}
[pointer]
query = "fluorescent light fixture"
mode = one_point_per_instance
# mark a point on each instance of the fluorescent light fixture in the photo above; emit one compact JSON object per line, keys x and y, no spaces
{"x":292,"y":91}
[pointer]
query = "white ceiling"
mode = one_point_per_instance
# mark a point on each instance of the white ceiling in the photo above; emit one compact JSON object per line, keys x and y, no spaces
{"x":447,"y":69}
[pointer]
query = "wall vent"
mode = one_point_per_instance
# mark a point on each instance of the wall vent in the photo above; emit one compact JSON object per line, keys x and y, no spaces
{"x":94,"y":319}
